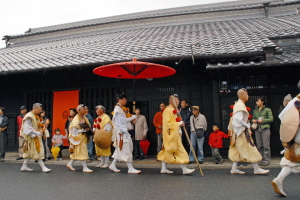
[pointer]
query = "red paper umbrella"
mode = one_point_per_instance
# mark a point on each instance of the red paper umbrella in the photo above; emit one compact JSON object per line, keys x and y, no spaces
{"x":145,"y":144}
{"x":134,"y":70}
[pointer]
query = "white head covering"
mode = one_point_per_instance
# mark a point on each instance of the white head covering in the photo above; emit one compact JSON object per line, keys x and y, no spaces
{"x":288,"y":98}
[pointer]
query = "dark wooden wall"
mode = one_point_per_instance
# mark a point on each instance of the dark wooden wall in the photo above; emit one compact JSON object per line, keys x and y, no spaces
{"x":191,"y":82}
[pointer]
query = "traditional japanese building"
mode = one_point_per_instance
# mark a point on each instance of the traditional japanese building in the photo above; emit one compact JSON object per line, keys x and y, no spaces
{"x":215,"y":49}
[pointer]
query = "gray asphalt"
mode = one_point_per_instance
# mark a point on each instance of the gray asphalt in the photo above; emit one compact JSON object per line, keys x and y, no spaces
{"x":61,"y":183}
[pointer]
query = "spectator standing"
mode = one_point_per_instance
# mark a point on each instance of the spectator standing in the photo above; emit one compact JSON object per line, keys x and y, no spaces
{"x":216,"y":142}
{"x":197,"y":121}
{"x":263,"y":117}
{"x":45,"y":121}
{"x":72,"y":113}
{"x":23,"y":111}
{"x":141,"y":129}
{"x":3,"y":133}
{"x":185,"y":112}
{"x":90,"y":145}
{"x":157,"y":122}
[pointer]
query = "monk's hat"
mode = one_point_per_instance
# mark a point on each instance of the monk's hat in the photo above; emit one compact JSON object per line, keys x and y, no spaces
{"x":288,"y":97}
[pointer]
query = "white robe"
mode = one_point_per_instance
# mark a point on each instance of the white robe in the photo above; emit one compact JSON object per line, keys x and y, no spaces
{"x":295,"y":166}
{"x":120,"y":127}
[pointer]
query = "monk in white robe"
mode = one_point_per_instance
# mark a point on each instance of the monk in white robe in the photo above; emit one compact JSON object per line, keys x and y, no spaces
{"x":121,"y":137}
{"x":242,"y":148}
{"x":290,"y":163}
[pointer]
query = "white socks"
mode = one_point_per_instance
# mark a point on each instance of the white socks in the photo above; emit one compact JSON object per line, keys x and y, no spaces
{"x":255,"y":166}
{"x":185,"y":170}
{"x":70,"y":165}
{"x":113,"y":166}
{"x":85,"y":168}
{"x":131,"y":170}
{"x":164,"y":169}
{"x":234,"y":166}
{"x":44,"y":168}
{"x":106,"y":160}
{"x":101,"y":162}
{"x":284,"y":173}
{"x":24,"y":167}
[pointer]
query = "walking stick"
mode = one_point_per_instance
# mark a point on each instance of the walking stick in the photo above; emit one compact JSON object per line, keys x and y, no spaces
{"x":188,"y":138}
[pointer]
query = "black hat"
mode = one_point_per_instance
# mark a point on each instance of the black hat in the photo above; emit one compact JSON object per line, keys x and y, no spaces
{"x":23,"y":108}
{"x":121,"y":96}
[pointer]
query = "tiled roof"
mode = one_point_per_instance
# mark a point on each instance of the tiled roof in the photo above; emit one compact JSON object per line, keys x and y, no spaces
{"x":227,"y":38}
{"x":206,"y":8}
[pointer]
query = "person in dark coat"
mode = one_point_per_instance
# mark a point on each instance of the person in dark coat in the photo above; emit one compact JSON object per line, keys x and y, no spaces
{"x":3,"y":133}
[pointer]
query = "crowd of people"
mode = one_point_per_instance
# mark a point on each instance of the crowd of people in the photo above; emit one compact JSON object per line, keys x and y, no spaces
{"x":180,"y":136}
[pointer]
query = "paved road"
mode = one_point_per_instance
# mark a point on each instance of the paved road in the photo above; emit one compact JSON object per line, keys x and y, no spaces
{"x":104,"y":184}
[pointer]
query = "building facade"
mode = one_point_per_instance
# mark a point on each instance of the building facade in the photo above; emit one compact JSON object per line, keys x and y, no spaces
{"x":215,"y":49}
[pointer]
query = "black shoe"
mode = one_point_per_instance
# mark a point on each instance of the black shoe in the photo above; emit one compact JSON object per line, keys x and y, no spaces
{"x":200,"y":162}
{"x":49,"y":158}
{"x":142,"y":158}
{"x":245,"y":163}
{"x":44,"y":160}
{"x":35,"y":161}
{"x":2,"y":160}
{"x":221,"y":161}
{"x":20,"y":158}
{"x":238,"y":164}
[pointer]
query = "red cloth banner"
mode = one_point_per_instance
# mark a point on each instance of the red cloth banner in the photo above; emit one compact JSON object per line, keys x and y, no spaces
{"x":62,"y":102}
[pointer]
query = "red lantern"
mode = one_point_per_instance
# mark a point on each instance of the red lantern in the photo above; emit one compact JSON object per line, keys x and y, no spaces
{"x":250,"y":117}
{"x":248,"y":109}
{"x":174,"y":112}
{"x":231,"y":114}
{"x":231,"y":107}
{"x":178,"y":119}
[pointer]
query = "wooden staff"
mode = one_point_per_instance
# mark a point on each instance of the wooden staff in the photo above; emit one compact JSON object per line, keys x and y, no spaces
{"x":188,"y":138}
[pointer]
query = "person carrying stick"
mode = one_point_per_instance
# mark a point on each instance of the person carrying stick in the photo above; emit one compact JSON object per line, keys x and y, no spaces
{"x":173,"y":150}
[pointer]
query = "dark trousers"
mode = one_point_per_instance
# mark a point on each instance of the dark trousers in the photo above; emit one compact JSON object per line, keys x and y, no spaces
{"x":61,"y":147}
{"x":216,"y":155}
{"x":138,"y":152}
{"x":185,"y":142}
{"x":2,"y":145}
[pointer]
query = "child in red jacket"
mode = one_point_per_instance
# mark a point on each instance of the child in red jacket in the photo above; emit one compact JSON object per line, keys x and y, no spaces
{"x":215,"y":142}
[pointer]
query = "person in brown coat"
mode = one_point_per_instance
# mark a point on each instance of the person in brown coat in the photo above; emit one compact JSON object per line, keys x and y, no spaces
{"x":141,"y":129}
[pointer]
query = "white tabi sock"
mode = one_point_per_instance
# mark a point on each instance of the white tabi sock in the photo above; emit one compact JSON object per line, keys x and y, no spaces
{"x":24,"y":166}
{"x":70,"y":165}
{"x":234,"y":165}
{"x":85,"y":168}
{"x":44,"y":168}
{"x":185,"y":170}
{"x":255,"y":166}
{"x":113,"y":166}
{"x":164,"y":169}
{"x":101,"y":162}
{"x":284,"y":173}
{"x":106,"y":159}
{"x":131,"y":170}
